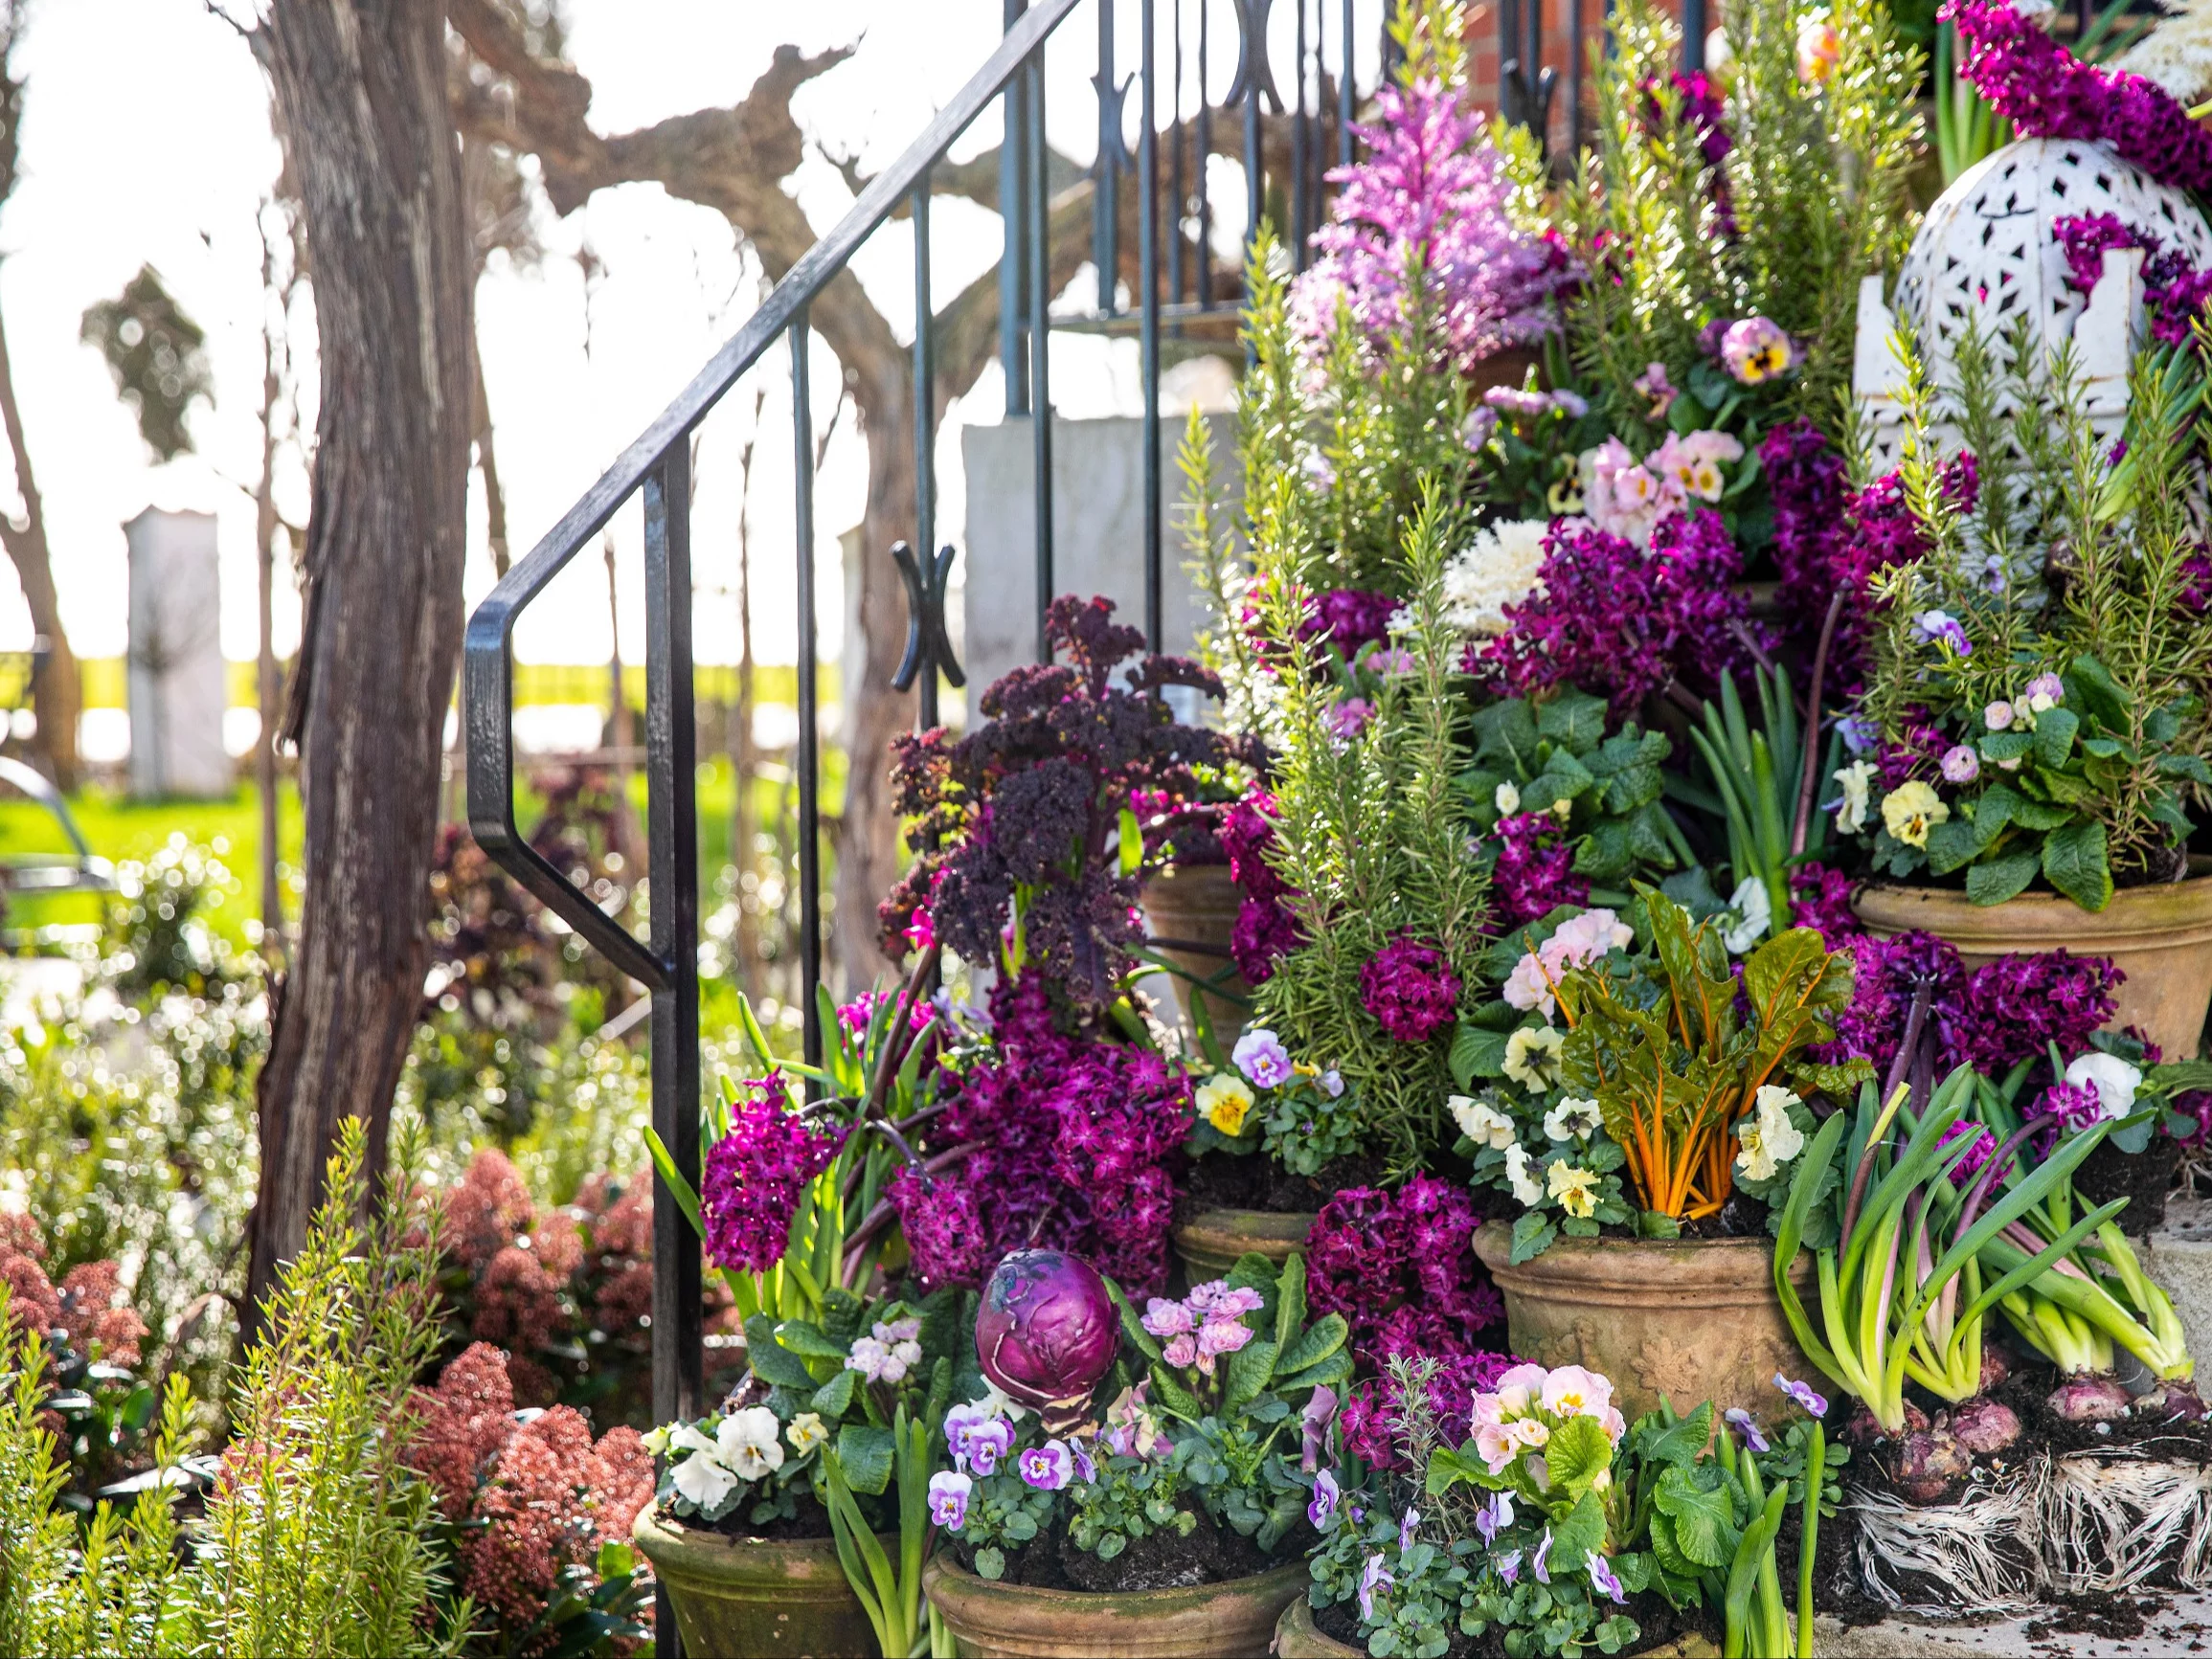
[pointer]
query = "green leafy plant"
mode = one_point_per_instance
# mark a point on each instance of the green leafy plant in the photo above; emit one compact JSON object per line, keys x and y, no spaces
{"x":1754,"y":775}
{"x":1902,"y":1292}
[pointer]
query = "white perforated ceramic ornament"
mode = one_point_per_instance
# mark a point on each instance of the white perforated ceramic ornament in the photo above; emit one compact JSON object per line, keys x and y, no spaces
{"x":1987,"y":252}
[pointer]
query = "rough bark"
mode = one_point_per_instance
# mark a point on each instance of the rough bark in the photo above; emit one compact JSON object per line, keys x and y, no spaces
{"x":360,"y":89}
{"x":57,"y":698}
{"x":735,"y":161}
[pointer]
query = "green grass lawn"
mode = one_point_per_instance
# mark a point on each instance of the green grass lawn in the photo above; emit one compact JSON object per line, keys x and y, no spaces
{"x":121,"y":829}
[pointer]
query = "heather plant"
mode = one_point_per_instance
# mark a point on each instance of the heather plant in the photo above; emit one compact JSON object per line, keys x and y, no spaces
{"x":2034,"y":705}
{"x":1729,"y":216}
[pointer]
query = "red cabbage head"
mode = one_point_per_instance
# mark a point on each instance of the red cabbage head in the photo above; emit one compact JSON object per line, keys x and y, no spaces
{"x":1047,"y":1331}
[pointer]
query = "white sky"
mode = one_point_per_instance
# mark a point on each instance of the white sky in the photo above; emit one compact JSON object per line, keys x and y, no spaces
{"x":145,"y":138}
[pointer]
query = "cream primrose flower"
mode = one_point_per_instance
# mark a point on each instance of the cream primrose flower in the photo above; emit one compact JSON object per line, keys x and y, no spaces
{"x":805,"y":1432}
{"x":1482,"y":1122}
{"x":1223,"y":1100}
{"x":1578,"y":942}
{"x":1858,"y":782}
{"x":1507,"y":799}
{"x":1575,"y":1189}
{"x":1532,"y":1057}
{"x":1911,"y":810}
{"x":1572,"y":1119}
{"x":1496,"y":570}
{"x":1570,"y":1391}
{"x":1694,"y":463}
{"x":1770,"y":1139}
{"x":1527,"y":1190}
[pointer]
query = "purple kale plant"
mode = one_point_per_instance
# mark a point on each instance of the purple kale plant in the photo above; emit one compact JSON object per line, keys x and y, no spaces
{"x":1610,"y":619}
{"x":1027,"y":808}
{"x":1401,"y":1268}
{"x":1410,"y":988}
{"x":2046,"y":92}
{"x":1265,"y":928}
{"x":1431,"y":194}
{"x":1045,"y":1139}
{"x":756,"y":1175}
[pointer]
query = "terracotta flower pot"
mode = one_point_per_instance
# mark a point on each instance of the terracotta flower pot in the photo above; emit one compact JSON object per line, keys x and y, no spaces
{"x":987,"y":1620}
{"x":1198,"y":903}
{"x":1691,"y":1319}
{"x":754,"y":1596}
{"x":1298,"y":1637}
{"x":1212,"y":1241}
{"x":2160,"y":937}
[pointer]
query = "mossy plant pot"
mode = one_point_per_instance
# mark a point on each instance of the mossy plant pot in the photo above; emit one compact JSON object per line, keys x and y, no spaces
{"x":1197,"y":905}
{"x":987,"y":1619}
{"x":1212,"y":1241}
{"x":2160,"y":937}
{"x":755,"y":1595}
{"x":1687,"y":1319}
{"x":1298,"y":1637}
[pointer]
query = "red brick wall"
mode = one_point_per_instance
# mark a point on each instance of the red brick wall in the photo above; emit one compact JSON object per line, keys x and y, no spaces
{"x":1562,"y":52}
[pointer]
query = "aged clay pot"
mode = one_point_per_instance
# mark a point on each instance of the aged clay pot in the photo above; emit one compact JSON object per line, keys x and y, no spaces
{"x":1212,"y":1241}
{"x":1691,"y":1319}
{"x":754,"y":1596}
{"x":1199,"y":903}
{"x":988,"y":1620}
{"x":1298,"y":1637}
{"x":2160,"y":937}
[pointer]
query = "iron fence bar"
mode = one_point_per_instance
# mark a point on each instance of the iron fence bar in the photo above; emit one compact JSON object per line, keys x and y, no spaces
{"x":1575,"y":61}
{"x":1176,"y":191}
{"x":1203,"y":260}
{"x":1105,"y":226}
{"x":1013,"y":218}
{"x":1252,"y":70}
{"x":925,"y":380}
{"x":1040,"y":350}
{"x":1298,"y":164}
{"x":1148,"y":338}
{"x":1346,"y":107}
{"x":1694,"y":26}
{"x":808,"y":763}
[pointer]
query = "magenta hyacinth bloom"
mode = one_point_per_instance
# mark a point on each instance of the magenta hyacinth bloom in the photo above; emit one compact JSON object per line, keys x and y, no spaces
{"x":1410,"y":989}
{"x":756,"y":1174}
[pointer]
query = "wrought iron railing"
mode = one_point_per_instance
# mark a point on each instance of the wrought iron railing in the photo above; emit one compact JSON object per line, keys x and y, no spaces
{"x":1286,"y":146}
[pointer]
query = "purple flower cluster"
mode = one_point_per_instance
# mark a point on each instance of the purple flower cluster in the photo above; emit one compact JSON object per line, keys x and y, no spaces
{"x":754,"y":1175}
{"x":1430,"y":190}
{"x":1075,"y":1145}
{"x":1821,"y":899}
{"x":1990,"y":1018}
{"x":2173,"y":290}
{"x":1917,"y":752}
{"x":1410,"y":987}
{"x":1815,"y":549}
{"x":2077,"y":1105}
{"x":1374,"y":1408}
{"x":1702,"y":110}
{"x":1349,"y":618}
{"x":2046,"y":92}
{"x":1401,"y":1268}
{"x":1534,"y":873}
{"x":1984,"y":1147}
{"x":1265,"y":928}
{"x":1033,"y":801}
{"x":1618,"y":623}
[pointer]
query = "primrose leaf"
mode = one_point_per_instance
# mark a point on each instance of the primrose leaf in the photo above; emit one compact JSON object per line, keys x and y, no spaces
{"x":1578,"y":1452}
{"x":772,"y":1362}
{"x":2001,"y":879}
{"x":865,"y":1452}
{"x":2074,"y":862}
{"x":1697,"y":1501}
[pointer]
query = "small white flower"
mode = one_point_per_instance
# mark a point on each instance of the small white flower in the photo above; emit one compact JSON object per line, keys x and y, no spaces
{"x":1770,"y":1139}
{"x":1754,"y":910}
{"x":1572,"y":1119}
{"x":806,"y":1433}
{"x":703,"y":1478}
{"x":1857,"y":781}
{"x":1532,"y":1057}
{"x":1482,"y":1122}
{"x":1526,"y":1186}
{"x":2114,"y":1079}
{"x":1508,"y":799}
{"x":751,"y":1443}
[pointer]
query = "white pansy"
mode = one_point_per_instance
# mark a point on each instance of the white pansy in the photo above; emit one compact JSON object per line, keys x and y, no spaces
{"x":702,"y":1478}
{"x":1526,"y":1186}
{"x":1770,"y":1139}
{"x":1507,"y":799}
{"x":1482,"y":1122}
{"x":1754,"y":910}
{"x":751,"y":1443}
{"x":1532,"y":1057}
{"x":1858,"y":783}
{"x":2114,"y":1079}
{"x":1572,"y":1119}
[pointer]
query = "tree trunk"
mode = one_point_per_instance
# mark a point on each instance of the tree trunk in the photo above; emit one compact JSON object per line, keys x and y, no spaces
{"x":57,"y":697}
{"x":361,"y":92}
{"x":266,"y":657}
